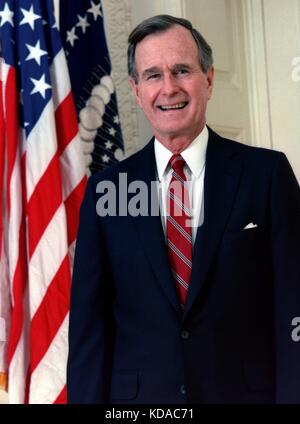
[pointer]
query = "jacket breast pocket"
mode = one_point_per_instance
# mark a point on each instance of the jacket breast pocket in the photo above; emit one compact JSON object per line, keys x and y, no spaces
{"x":124,"y":385}
{"x":251,"y":235}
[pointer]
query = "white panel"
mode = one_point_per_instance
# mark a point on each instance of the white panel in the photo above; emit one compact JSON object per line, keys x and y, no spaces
{"x":170,"y":7}
{"x":229,"y":132}
{"x":203,"y":13}
{"x":256,"y":64}
{"x":217,"y":20}
{"x":142,"y":9}
{"x":282,"y":47}
{"x":221,"y":23}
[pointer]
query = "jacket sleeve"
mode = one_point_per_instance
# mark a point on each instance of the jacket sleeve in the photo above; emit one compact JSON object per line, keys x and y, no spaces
{"x":285,"y":224}
{"x":91,"y":328}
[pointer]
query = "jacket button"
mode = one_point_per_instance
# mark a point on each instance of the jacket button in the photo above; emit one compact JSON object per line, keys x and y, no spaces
{"x":185,"y":334}
{"x":183,"y":389}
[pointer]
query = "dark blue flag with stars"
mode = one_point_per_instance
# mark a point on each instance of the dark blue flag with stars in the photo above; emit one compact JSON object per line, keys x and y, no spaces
{"x":83,"y":36}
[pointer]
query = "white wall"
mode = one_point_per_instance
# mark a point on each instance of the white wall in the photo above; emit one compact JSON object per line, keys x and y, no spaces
{"x":282,"y":38}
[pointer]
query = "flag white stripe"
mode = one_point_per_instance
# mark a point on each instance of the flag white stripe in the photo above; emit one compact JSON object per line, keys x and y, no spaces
{"x":4,"y":68}
{"x":48,"y":256}
{"x":20,"y":361}
{"x":39,"y":154}
{"x":14,"y":220}
{"x":72,"y":168}
{"x":62,"y":86}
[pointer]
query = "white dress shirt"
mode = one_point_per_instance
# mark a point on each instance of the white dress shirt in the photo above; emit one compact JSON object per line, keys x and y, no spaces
{"x":194,"y":170}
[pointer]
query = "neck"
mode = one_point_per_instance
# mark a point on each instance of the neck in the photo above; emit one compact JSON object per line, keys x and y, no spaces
{"x":176,"y":144}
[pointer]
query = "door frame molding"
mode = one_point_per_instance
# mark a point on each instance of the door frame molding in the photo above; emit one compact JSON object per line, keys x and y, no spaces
{"x":257,"y":73}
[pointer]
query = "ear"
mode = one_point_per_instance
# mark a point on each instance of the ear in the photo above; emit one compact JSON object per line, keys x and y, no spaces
{"x":135,"y":90}
{"x":210,"y":79}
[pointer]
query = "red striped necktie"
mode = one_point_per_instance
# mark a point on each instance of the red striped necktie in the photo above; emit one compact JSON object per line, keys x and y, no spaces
{"x":179,"y":231}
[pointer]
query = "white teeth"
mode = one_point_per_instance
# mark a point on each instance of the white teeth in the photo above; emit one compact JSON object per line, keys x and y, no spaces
{"x":177,"y":106}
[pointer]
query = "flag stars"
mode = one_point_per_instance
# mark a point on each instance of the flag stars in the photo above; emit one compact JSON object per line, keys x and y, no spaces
{"x":71,"y":36}
{"x":112,"y":131}
{"x":40,"y":86}
{"x":95,"y":10}
{"x":116,"y":119}
{"x":29,"y":17}
{"x":35,"y":52}
{"x":83,"y":23}
{"x":105,"y":158}
{"x":108,"y":145}
{"x":6,"y":15}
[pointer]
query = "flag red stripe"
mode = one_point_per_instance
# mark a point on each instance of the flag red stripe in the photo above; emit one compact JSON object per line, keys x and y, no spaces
{"x":20,"y":272}
{"x":62,"y":397}
{"x":2,"y":138}
{"x":12,"y":129}
{"x":19,"y":284}
{"x":43,"y":203}
{"x":71,"y":204}
{"x":66,"y":123}
{"x":50,"y":313}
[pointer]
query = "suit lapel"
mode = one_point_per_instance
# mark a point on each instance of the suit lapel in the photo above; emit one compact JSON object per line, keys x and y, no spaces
{"x":150,"y":229}
{"x":222,"y":175}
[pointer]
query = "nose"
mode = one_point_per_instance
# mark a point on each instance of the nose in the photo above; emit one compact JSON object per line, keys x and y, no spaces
{"x":170,"y":84}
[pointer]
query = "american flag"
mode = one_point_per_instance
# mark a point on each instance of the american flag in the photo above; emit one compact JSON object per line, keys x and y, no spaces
{"x":42,"y":180}
{"x":83,"y":37}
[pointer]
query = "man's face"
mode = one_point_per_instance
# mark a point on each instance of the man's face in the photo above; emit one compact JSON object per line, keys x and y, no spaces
{"x":172,"y":89}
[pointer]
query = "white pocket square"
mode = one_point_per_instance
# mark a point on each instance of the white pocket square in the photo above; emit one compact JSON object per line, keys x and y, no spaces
{"x":250,"y":225}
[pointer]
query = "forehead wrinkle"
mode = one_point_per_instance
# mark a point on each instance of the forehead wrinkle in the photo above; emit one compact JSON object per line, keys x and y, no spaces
{"x":172,"y":68}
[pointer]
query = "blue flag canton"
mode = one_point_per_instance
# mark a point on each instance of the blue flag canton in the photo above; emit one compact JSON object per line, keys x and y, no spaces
{"x":29,"y":41}
{"x":83,"y":35}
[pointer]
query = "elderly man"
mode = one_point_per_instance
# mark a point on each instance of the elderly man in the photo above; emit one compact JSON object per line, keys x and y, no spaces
{"x":194,"y":304}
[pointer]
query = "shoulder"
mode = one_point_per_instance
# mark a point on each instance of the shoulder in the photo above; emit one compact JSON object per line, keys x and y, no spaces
{"x":252,"y":156}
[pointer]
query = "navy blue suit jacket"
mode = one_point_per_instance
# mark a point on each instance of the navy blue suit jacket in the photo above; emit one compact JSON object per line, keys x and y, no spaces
{"x":129,"y":341}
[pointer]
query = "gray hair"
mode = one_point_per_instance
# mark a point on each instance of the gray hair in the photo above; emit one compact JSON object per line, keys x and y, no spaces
{"x":162,"y":23}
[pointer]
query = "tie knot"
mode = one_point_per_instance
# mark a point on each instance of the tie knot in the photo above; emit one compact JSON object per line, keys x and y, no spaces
{"x":177,"y":163}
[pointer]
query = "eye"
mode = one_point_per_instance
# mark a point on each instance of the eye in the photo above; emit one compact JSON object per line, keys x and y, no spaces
{"x":181,"y":71}
{"x":153,"y":76}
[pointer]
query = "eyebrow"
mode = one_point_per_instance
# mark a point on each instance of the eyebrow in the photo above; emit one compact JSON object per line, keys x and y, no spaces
{"x":181,"y":65}
{"x":150,"y":71}
{"x":155,"y":69}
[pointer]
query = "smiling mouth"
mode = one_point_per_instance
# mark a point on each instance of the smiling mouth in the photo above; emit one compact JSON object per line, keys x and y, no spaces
{"x":177,"y":106}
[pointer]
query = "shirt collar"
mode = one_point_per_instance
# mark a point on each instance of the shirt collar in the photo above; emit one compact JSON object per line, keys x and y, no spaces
{"x":194,"y":155}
